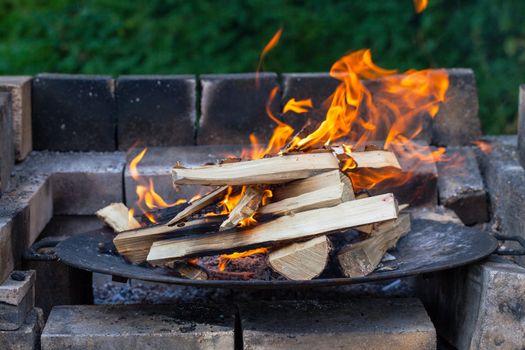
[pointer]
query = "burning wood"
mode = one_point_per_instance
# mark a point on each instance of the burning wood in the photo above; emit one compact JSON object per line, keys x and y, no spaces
{"x":199,"y":204}
{"x":116,"y":216}
{"x":247,"y":206}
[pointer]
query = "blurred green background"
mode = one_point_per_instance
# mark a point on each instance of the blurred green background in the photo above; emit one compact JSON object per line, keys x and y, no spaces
{"x":184,"y":36}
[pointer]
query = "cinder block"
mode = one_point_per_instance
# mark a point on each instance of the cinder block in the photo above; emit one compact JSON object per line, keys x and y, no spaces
{"x":521,"y":125}
{"x":182,"y":326}
{"x":12,"y":317}
{"x":69,"y":225}
{"x":457,"y":122}
{"x":156,"y":110}
{"x":74,"y":113}
{"x":20,"y":89}
{"x":12,"y":290}
{"x":26,"y":337}
{"x":479,"y":306}
{"x":158,"y":162}
{"x":233,"y":107}
{"x":460,"y":186}
{"x":357,"y":324}
{"x":7,"y":261}
{"x":7,"y":152}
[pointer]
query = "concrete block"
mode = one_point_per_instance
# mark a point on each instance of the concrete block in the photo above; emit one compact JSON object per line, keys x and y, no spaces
{"x":26,"y":337}
{"x":69,"y":225}
{"x":521,"y":125}
{"x":7,"y":152}
{"x":357,"y":324}
{"x":157,"y":164}
{"x":233,"y":107}
{"x":20,"y":89}
{"x":457,"y":122}
{"x":156,"y":110}
{"x":7,"y":261}
{"x":12,"y":317}
{"x":182,"y":326}
{"x":12,"y":291}
{"x":74,"y":113}
{"x":479,"y":306}
{"x":460,"y":186}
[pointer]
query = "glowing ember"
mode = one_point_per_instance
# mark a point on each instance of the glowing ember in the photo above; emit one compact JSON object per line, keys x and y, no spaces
{"x":226,"y":258}
{"x":484,"y":146}
{"x":420,"y":5}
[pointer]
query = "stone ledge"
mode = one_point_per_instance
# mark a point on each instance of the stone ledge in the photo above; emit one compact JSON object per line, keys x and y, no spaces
{"x":27,"y":337}
{"x":12,"y":292}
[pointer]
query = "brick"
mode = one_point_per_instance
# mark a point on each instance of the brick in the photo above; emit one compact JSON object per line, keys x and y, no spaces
{"x":521,"y":125}
{"x":232,"y":107}
{"x":479,"y":306}
{"x":12,"y":291}
{"x":358,"y":323}
{"x":73,"y":113}
{"x":26,"y":337}
{"x":156,"y":110}
{"x":457,"y":122}
{"x":20,"y":89}
{"x":157,"y":164}
{"x":7,"y":152}
{"x":183,"y":326}
{"x":460,"y":186}
{"x":12,"y":317}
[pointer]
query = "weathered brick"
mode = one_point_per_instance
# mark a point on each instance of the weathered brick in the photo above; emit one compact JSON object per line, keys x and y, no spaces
{"x":233,"y":107}
{"x":26,"y":337}
{"x":479,"y":306}
{"x":460,"y":185}
{"x":183,"y":326}
{"x":12,"y":291}
{"x":73,"y":113}
{"x":20,"y":89}
{"x":457,"y":122}
{"x":521,"y":125}
{"x":358,"y":323}
{"x":156,"y":110}
{"x":12,"y":317}
{"x":158,"y":162}
{"x":7,"y":152}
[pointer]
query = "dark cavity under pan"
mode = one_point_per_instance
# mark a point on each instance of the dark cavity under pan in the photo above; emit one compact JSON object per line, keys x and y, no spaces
{"x":430,"y":246}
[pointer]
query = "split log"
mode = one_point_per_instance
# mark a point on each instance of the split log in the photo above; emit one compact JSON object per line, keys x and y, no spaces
{"x":261,"y":171}
{"x":375,"y":159}
{"x":303,"y":260}
{"x":303,"y":225}
{"x":360,"y":259}
{"x":246,"y":207}
{"x":199,"y":204}
{"x":116,"y":216}
{"x":135,"y":244}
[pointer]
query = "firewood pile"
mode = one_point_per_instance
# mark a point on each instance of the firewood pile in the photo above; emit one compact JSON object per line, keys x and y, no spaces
{"x":296,"y":216}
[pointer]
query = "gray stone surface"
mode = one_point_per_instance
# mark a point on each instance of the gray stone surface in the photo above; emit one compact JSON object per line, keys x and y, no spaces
{"x":479,"y":306}
{"x":521,"y":125}
{"x":233,"y":107}
{"x":13,"y":291}
{"x":12,"y":317}
{"x":356,"y":324}
{"x":7,"y":261}
{"x":457,"y":122}
{"x":7,"y":151}
{"x":460,"y":185}
{"x":20,"y":89}
{"x":183,"y":326}
{"x":69,"y":225}
{"x":26,"y":337}
{"x":156,"y":110}
{"x":157,"y":164}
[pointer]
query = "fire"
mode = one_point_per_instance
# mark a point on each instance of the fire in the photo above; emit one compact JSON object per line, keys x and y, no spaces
{"x":148,"y":198}
{"x":300,"y":106}
{"x":226,"y":258}
{"x":484,"y":146}
{"x":420,"y":5}
{"x":271,"y":44}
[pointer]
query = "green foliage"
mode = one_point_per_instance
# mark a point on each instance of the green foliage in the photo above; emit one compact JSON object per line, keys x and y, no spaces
{"x":184,"y":36}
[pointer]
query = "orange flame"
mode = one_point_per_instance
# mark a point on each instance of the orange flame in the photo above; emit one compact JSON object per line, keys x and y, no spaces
{"x":271,"y":44}
{"x":484,"y":146}
{"x":420,"y":5}
{"x":226,"y":258}
{"x":300,"y":106}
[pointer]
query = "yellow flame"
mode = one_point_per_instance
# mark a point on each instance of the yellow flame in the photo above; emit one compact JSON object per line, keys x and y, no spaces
{"x":420,"y":5}
{"x":300,"y":106}
{"x":226,"y":258}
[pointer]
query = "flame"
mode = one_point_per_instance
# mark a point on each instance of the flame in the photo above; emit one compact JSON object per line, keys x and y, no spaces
{"x":300,"y":106}
{"x":271,"y":44}
{"x":484,"y":146}
{"x":148,"y":198}
{"x":226,"y":258}
{"x":420,"y":5}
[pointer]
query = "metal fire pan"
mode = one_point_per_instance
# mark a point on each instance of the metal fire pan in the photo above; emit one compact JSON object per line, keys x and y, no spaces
{"x":430,"y":246}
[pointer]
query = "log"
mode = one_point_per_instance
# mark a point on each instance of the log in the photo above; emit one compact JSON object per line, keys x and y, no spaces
{"x":116,"y":216}
{"x":375,"y":159}
{"x":135,"y":244}
{"x":303,"y":260}
{"x":303,"y":225}
{"x":273,"y":170}
{"x":310,"y":184}
{"x":360,"y":259}
{"x":245,"y":208}
{"x":199,"y":204}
